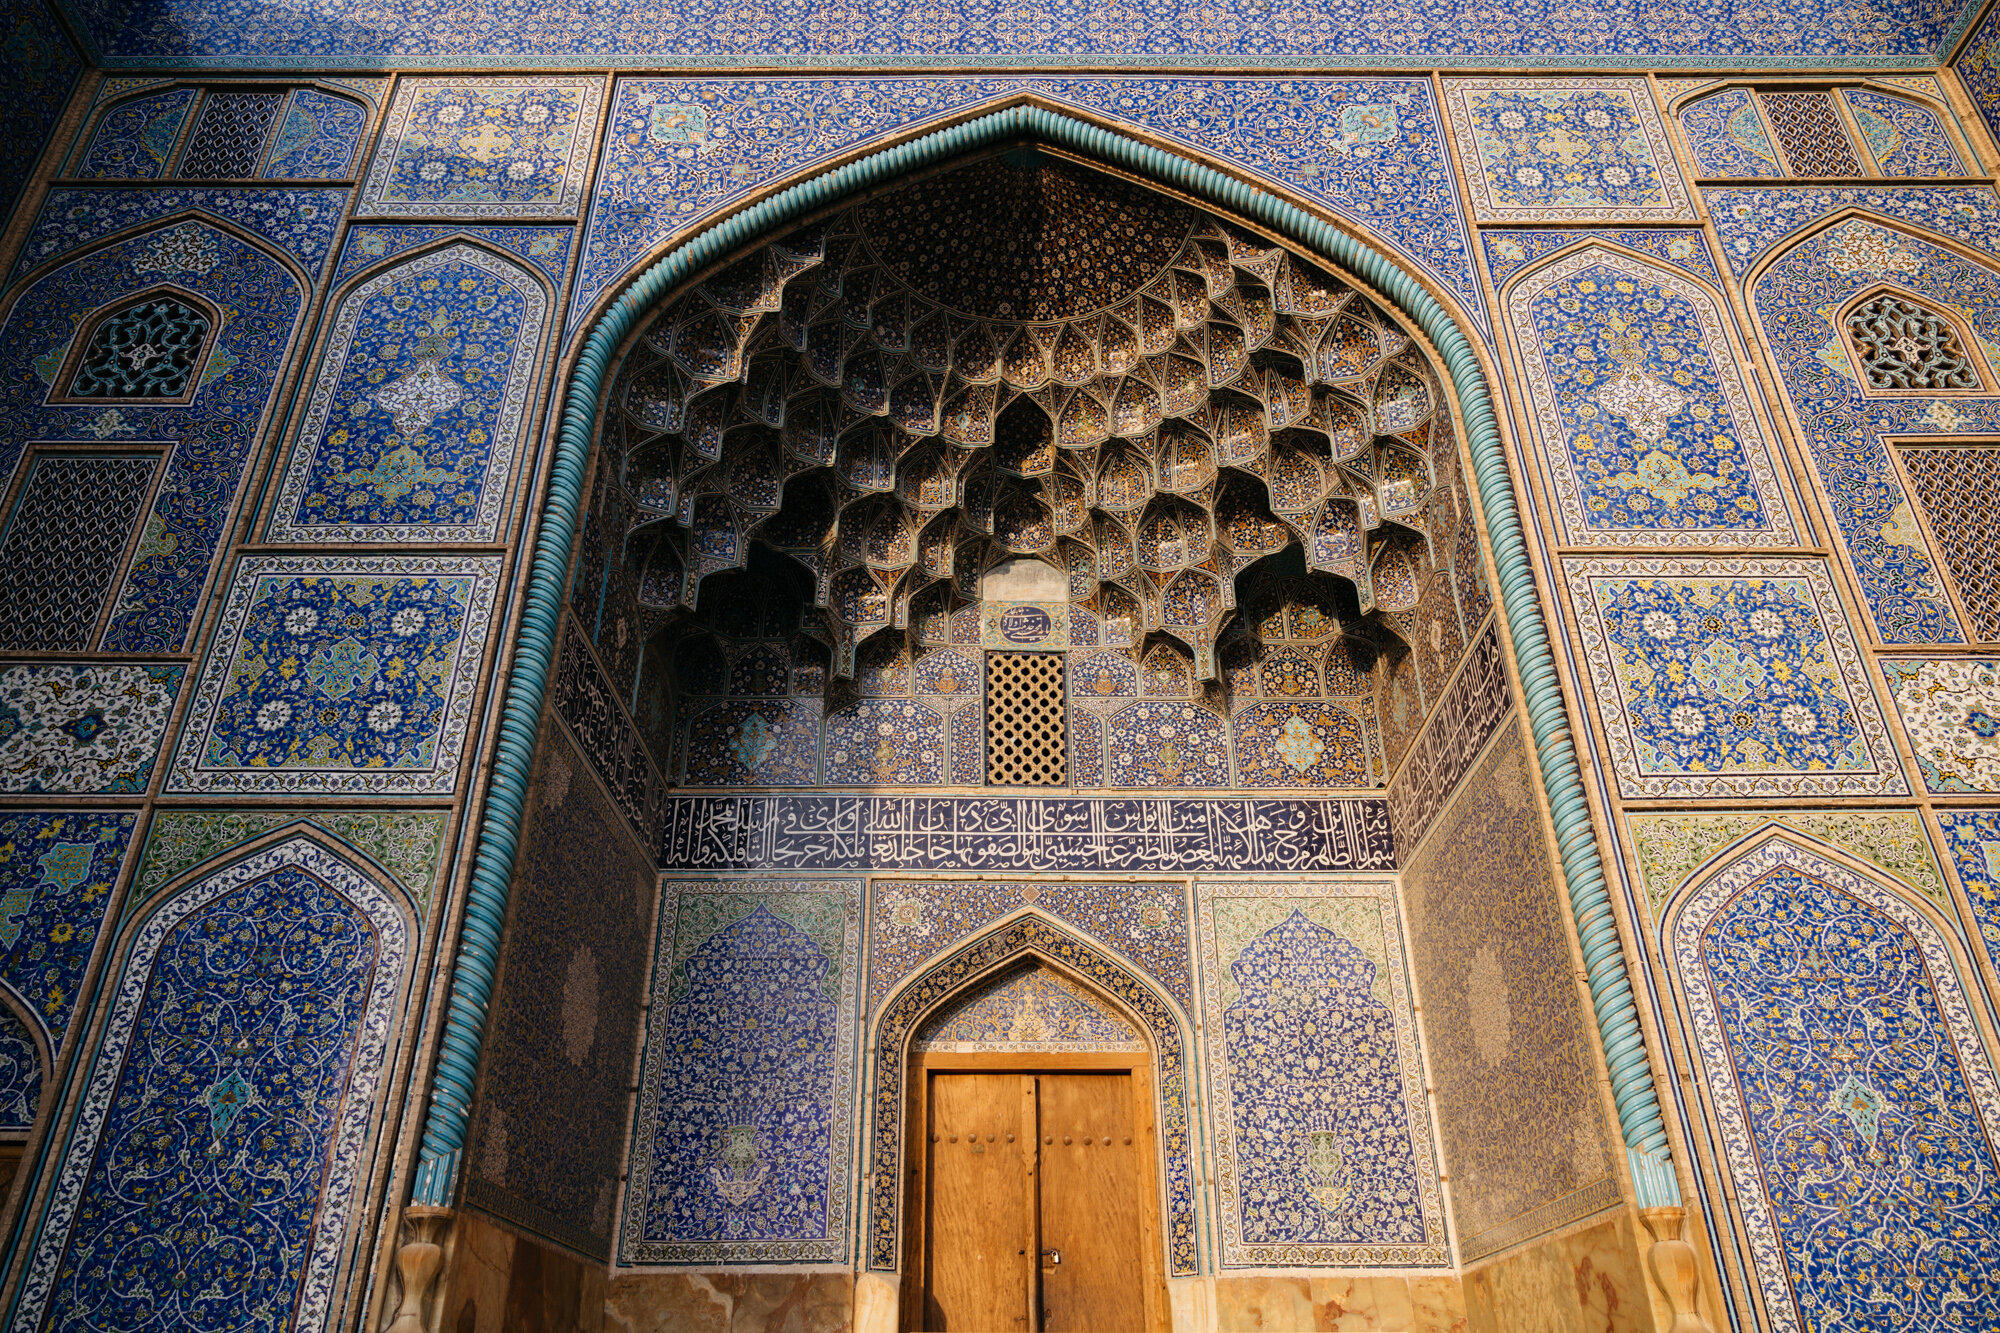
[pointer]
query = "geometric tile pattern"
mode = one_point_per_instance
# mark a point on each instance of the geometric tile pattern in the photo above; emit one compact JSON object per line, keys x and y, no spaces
{"x":1646,"y":424}
{"x":1320,"y":1123}
{"x":248,"y":1024}
{"x":411,"y":428}
{"x":57,"y":869}
{"x":1811,"y":133}
{"x":485,"y":147}
{"x":340,"y":674}
{"x":228,"y":139}
{"x":1523,"y":1122}
{"x":542,"y":1155}
{"x":746,"y":1108}
{"x":94,"y":727}
{"x":1729,"y":678}
{"x":1958,"y":489}
{"x":1852,"y":1096}
{"x":63,"y":545}
{"x":1950,"y":708}
{"x":1564,"y":150}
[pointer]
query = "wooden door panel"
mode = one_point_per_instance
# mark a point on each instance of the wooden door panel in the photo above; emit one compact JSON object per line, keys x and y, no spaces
{"x":1090,"y":1200}
{"x":978,"y":1204}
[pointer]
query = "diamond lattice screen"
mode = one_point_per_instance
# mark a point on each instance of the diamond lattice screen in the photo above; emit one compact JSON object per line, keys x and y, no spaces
{"x":1025,"y":724}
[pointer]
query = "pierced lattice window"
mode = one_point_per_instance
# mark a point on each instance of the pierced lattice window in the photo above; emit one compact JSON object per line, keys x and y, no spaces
{"x":228,"y":142}
{"x":150,"y":349}
{"x":1901,"y":347}
{"x":1025,"y":723}
{"x":64,"y":546}
{"x":1814,"y":138}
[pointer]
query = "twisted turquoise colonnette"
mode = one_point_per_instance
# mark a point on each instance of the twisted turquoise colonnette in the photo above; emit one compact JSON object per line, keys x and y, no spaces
{"x":1639,"y":1117}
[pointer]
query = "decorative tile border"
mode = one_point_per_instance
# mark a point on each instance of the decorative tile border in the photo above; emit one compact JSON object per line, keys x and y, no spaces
{"x":583,"y":698}
{"x":1458,"y":729}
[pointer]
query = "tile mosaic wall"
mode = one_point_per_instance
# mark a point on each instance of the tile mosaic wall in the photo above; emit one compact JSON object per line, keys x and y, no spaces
{"x":1977,"y":65}
{"x":1034,"y":1009}
{"x":1843,"y":427}
{"x":340,"y":674}
{"x":1319,"y":1121}
{"x":1887,"y":1081}
{"x":1685,"y":248}
{"x":1972,"y":844}
{"x":744,"y":1136}
{"x":1729,"y":678}
{"x":1905,"y":138}
{"x":548,"y":1127}
{"x":39,"y":66}
{"x":66,"y":542}
{"x":135,"y":139}
{"x":1564,"y":150}
{"x":256,"y":300}
{"x":1457,"y":731}
{"x":547,"y":248}
{"x":407,"y":844}
{"x":1670,"y":848}
{"x":20,"y":1075}
{"x":1950,"y":708}
{"x":299,"y":222}
{"x":58,"y":869}
{"x":1727,"y":136}
{"x":92,"y":728}
{"x":411,"y":429}
{"x":300,"y":961}
{"x":580,"y":695}
{"x":1752,"y":221}
{"x":1644,"y":419}
{"x":516,"y":147}
{"x":1511,"y":1051}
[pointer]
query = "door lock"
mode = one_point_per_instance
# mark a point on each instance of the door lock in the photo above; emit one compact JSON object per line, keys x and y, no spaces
{"x":1051,"y":1258}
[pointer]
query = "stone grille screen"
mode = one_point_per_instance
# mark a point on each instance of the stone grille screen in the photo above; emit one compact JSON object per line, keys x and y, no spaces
{"x":1024,"y":720}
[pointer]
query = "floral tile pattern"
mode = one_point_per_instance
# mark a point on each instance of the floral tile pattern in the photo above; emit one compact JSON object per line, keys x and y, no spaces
{"x":1508,"y":252}
{"x":1972,"y":841}
{"x":348,"y":674}
{"x":20,"y":1075}
{"x":1854,"y":1102}
{"x":485,"y":147}
{"x":1950,"y":709}
{"x":1729,"y":678}
{"x":93,"y":727}
{"x":1564,"y":150}
{"x":134,"y":140}
{"x":1978,"y":68}
{"x":292,"y":934}
{"x":547,"y":248}
{"x":1905,"y":138}
{"x":1670,"y":848}
{"x":1753,"y":220}
{"x":1319,"y":1118}
{"x":1034,"y":1009}
{"x":1728,"y":137}
{"x":57,"y":869}
{"x":411,"y":429}
{"x":1645,"y":422}
{"x":39,"y":66}
{"x":409,"y":844}
{"x":299,"y":221}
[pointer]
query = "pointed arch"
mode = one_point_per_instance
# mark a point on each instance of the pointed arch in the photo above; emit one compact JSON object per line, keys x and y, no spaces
{"x":258,"y":999}
{"x":972,"y":963}
{"x":1845,"y":1074}
{"x":1869,"y":324}
{"x":185,"y":326}
{"x":26,"y":1066}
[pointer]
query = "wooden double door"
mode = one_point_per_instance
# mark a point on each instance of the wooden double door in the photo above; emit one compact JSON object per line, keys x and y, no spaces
{"x":1037,"y":1208}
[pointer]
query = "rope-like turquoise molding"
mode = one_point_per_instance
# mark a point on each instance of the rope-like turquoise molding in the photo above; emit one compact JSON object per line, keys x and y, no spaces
{"x":486,"y":906}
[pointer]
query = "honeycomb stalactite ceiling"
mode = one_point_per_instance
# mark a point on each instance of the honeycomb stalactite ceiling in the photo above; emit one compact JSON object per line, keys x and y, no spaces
{"x":1023,"y":356}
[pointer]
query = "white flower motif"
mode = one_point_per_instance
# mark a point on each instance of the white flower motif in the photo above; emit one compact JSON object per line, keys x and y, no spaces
{"x":406,"y":622}
{"x":1660,"y":625}
{"x":520,"y":169}
{"x":273,"y":715}
{"x":301,"y":620}
{"x":1798,"y":719}
{"x":451,"y":115}
{"x":535,"y":115}
{"x":432,"y":171}
{"x":1766,"y":623}
{"x":1617,"y":176}
{"x":1513,"y":120}
{"x":1597,"y":118}
{"x":385,"y":716}
{"x":1528,"y":176}
{"x":1688,"y":720}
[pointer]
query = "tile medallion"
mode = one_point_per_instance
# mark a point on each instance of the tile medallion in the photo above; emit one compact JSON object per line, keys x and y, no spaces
{"x":1646,"y":424}
{"x":1950,"y":708}
{"x":266,"y":1131}
{"x":830,"y":832}
{"x":345,"y":675}
{"x":83,"y":727}
{"x":1850,"y":1091}
{"x":411,"y":429}
{"x":1728,"y":678}
{"x":1034,"y":1009}
{"x":1564,"y":150}
{"x":501,"y":147}
{"x":746,"y":1103}
{"x":678,"y":151}
{"x":1972,"y":842}
{"x":1318,"y":1111}
{"x":57,"y":871}
{"x":1670,"y":848}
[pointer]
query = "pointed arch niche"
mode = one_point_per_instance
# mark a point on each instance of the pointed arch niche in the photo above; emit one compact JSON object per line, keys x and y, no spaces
{"x":1859,"y":1140}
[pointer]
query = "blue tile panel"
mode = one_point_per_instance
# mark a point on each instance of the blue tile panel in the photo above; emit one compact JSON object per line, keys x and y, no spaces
{"x":1904,"y":137}
{"x":1978,"y":69}
{"x":1753,"y":220}
{"x":547,"y":248}
{"x":1320,"y":1123}
{"x":135,"y":139}
{"x":20,"y":1075}
{"x":1646,"y":422}
{"x":549,"y":1125}
{"x":1729,"y":678}
{"x":1564,"y":150}
{"x":235,"y":1076}
{"x":1727,"y":135}
{"x":743,"y":1143}
{"x":492,"y":148}
{"x":677,"y":151}
{"x":1972,"y":841}
{"x":318,"y":135}
{"x":1796,"y":299}
{"x":299,"y":222}
{"x":1508,"y":252}
{"x":257,"y":300}
{"x":1854,"y":1099}
{"x":349,"y":674}
{"x":91,"y":728}
{"x":57,"y":869}
{"x":38,"y":68}
{"x":417,"y":412}
{"x":1815,"y":34}
{"x":1001,"y":833}
{"x":1950,"y":709}
{"x":1034,"y":1009}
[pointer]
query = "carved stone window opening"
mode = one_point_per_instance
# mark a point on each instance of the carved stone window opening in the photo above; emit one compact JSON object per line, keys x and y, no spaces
{"x":151,"y":349}
{"x":1901,"y":346}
